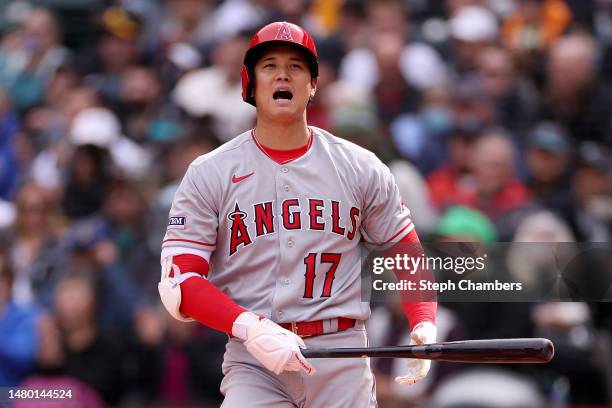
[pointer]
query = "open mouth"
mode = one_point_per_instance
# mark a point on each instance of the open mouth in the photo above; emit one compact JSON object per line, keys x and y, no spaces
{"x":282,"y":95}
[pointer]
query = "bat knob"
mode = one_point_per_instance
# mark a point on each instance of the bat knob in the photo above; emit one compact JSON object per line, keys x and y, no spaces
{"x":548,"y":350}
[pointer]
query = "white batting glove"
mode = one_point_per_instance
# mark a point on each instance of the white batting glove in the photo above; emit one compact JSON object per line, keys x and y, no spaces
{"x":423,"y":333}
{"x":275,"y":348}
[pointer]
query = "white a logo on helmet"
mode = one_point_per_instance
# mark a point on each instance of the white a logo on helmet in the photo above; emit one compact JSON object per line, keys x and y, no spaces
{"x":284,"y":33}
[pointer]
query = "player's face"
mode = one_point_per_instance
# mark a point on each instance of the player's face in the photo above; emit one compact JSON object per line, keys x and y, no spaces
{"x":283,"y":83}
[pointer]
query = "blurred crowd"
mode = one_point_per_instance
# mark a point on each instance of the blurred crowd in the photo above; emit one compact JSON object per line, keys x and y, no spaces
{"x":495,"y":118}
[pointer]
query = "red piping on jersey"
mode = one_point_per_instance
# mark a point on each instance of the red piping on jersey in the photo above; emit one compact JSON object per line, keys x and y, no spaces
{"x":393,"y":237}
{"x":189,"y":240}
{"x":398,"y":232}
{"x":270,"y":152}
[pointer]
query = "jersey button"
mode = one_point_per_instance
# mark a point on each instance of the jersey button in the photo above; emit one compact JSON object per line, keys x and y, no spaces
{"x":286,"y":281}
{"x":284,"y":169}
{"x":286,"y":189}
{"x":290,"y":243}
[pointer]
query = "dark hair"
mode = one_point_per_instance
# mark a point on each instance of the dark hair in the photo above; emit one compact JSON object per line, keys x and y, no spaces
{"x":6,"y":272}
{"x":90,"y":277}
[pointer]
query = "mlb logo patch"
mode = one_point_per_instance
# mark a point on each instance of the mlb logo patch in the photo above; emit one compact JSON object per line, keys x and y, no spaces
{"x":176,"y":222}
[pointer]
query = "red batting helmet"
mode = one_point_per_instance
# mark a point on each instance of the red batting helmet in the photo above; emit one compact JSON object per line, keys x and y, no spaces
{"x":275,"y":33}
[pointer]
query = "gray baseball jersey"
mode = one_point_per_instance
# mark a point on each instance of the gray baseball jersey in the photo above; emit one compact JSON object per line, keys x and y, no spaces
{"x":285,"y":238}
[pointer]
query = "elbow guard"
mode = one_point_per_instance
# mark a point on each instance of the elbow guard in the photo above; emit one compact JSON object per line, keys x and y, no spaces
{"x":170,"y":290}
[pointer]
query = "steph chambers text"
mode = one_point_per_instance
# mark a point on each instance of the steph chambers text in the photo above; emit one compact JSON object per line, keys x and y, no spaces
{"x":464,"y":285}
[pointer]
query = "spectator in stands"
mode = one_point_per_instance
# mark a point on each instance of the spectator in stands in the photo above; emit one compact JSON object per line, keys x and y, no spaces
{"x":300,"y":13}
{"x":187,"y":21}
{"x":515,"y":99}
{"x":534,"y":25}
{"x":87,"y":181}
{"x":34,"y":250}
{"x":221,"y":83}
{"x":463,"y":224}
{"x":574,"y":96}
{"x":352,"y":28}
{"x":47,"y":122}
{"x":116,"y":51}
{"x":392,"y":93}
{"x":18,"y":328}
{"x":589,"y":213}
{"x":479,"y":320}
{"x":419,"y":64}
{"x":548,"y":162}
{"x":421,"y":138}
{"x":472,"y":29}
{"x":89,"y":247}
{"x":88,"y":355}
{"x":26,"y":70}
{"x":232,"y":17}
{"x":186,"y":372}
{"x":100,"y":127}
{"x":534,"y":260}
{"x":9,"y":167}
{"x":329,"y":55}
{"x":126,"y":212}
{"x":497,"y":190}
{"x":145,"y":114}
{"x":49,"y":136}
{"x":471,"y":112}
{"x":452,"y":6}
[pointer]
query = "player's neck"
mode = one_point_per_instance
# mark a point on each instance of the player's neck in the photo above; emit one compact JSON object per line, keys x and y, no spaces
{"x":282,"y":137}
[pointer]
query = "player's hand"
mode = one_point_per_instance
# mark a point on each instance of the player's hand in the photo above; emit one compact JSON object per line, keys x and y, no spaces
{"x":423,"y":333}
{"x":274,"y":347}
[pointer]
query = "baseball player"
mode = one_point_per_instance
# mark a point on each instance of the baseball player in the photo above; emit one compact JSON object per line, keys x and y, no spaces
{"x":264,"y":236}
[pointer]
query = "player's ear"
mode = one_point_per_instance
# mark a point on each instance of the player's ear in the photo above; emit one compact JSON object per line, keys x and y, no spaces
{"x":313,"y":84}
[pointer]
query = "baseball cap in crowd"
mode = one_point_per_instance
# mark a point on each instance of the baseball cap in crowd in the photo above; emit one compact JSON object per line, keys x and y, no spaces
{"x":12,"y":15}
{"x":118,"y":22}
{"x":85,"y":234}
{"x":473,"y":24}
{"x":468,"y":93}
{"x":96,"y":126}
{"x":184,"y":56}
{"x":595,"y":155}
{"x":100,"y":127}
{"x":461,"y":221}
{"x":550,"y":137}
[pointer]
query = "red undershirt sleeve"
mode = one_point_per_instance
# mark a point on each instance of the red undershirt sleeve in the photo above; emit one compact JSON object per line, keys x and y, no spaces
{"x":203,"y":301}
{"x":415,"y":311}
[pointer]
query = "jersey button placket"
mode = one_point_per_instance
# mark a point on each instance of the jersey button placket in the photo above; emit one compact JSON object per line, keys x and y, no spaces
{"x":286,"y":240}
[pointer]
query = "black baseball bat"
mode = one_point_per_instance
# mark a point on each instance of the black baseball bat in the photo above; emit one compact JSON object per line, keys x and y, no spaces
{"x":530,"y":350}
